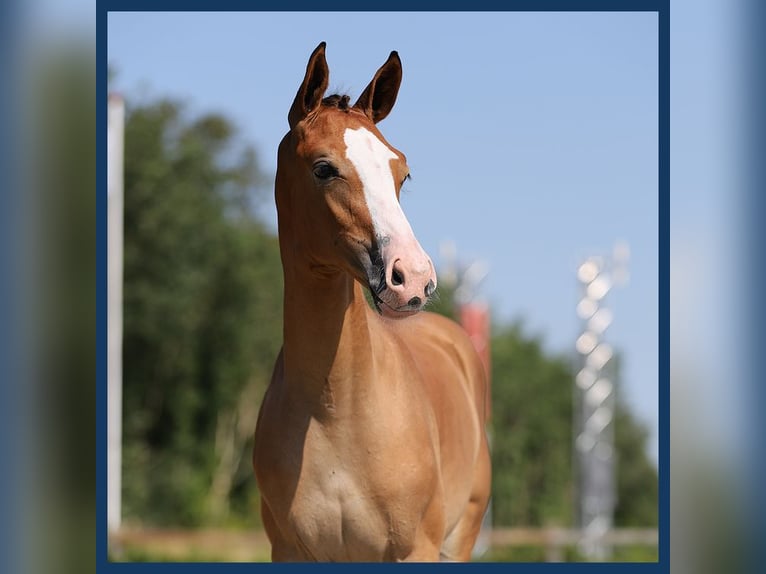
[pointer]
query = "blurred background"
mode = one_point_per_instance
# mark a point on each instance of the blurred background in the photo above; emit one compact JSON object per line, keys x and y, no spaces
{"x":532,"y":139}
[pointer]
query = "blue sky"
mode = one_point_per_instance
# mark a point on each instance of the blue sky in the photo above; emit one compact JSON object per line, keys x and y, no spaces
{"x":532,"y":139}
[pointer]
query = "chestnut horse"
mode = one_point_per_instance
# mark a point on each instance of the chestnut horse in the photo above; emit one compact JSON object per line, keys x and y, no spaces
{"x":370,"y":442}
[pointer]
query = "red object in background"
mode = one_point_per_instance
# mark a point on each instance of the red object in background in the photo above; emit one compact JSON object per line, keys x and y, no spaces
{"x":474,"y":317}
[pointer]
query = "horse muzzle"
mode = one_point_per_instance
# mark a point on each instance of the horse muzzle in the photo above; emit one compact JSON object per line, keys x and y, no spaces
{"x":403,"y":281}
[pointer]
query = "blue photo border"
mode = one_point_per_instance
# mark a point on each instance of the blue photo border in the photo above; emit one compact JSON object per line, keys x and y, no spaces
{"x":11,"y":345}
{"x":661,"y":7}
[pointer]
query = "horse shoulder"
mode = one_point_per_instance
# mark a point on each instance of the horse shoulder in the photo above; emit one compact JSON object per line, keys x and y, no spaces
{"x":440,"y":344}
{"x":454,"y":380}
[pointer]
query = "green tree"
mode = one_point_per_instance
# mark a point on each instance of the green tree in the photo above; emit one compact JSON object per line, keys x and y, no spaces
{"x":532,"y":432}
{"x":202,"y":316}
{"x":637,"y":480}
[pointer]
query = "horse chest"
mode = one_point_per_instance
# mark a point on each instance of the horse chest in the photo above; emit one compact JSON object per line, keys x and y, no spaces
{"x":340,"y":504}
{"x":335,"y":518}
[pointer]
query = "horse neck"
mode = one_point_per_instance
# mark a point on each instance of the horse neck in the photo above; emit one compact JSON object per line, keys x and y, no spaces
{"x":327,"y":340}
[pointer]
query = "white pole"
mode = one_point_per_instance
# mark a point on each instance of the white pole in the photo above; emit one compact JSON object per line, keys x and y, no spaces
{"x":115,"y":140}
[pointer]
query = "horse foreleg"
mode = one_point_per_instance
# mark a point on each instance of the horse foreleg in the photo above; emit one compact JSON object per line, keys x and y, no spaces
{"x":459,"y":544}
{"x":430,"y":532}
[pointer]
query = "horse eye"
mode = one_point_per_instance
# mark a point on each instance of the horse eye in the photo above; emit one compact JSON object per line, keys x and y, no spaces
{"x":324,"y":170}
{"x":406,"y":178}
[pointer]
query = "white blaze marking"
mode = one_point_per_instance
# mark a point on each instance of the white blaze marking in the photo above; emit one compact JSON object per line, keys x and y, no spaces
{"x":370,"y":157}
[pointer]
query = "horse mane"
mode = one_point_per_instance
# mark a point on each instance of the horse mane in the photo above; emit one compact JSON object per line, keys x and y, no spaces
{"x":337,"y":101}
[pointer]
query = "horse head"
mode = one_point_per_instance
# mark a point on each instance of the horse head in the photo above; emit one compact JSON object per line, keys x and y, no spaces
{"x":337,"y":190}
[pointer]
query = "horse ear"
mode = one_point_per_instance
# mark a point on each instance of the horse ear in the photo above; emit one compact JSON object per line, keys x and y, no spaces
{"x":309,"y":95}
{"x":379,"y":96}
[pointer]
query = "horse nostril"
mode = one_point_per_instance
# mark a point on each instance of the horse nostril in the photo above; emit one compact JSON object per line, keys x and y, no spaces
{"x":396,"y":277}
{"x":414,"y":302}
{"x":430,"y":288}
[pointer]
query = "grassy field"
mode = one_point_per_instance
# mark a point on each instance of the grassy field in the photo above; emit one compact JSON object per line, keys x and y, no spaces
{"x":514,"y":545}
{"x":189,"y":546}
